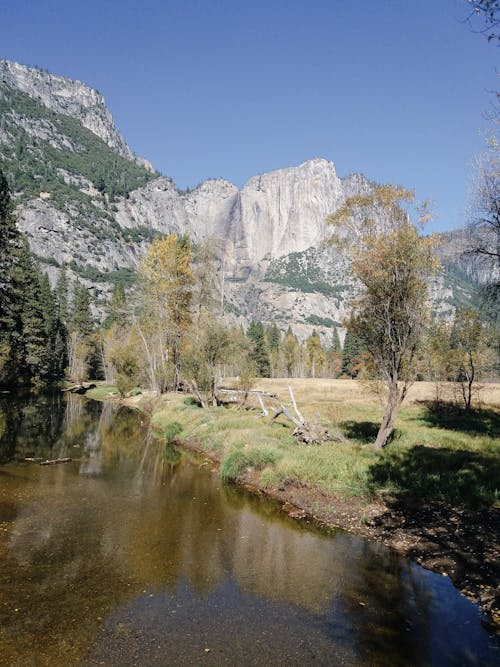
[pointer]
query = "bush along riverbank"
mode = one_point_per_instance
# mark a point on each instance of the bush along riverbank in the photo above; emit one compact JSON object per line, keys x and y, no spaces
{"x":432,"y":494}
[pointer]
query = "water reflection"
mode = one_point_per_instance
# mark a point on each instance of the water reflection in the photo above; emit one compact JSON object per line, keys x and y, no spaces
{"x":133,"y":551}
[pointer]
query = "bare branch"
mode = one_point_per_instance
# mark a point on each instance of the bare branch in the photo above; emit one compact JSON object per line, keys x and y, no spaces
{"x":297,"y":412}
{"x":265,"y":411}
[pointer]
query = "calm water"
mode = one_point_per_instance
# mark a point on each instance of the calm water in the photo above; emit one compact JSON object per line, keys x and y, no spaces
{"x":130,"y":556}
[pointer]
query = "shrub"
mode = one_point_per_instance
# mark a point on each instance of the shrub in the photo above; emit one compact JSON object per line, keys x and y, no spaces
{"x":240,"y":460}
{"x":171,"y":431}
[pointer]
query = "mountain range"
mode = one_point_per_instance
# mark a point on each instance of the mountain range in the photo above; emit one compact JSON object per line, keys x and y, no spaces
{"x":86,"y":201}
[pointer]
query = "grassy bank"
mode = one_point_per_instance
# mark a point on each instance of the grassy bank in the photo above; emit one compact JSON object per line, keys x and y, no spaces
{"x":432,"y":494}
{"x":437,"y":453}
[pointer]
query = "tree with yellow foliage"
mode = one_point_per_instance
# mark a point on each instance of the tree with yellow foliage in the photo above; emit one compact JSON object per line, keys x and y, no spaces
{"x":393,"y":265}
{"x":167,"y":287}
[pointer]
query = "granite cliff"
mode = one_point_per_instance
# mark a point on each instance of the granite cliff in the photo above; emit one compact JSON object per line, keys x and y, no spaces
{"x":86,"y":201}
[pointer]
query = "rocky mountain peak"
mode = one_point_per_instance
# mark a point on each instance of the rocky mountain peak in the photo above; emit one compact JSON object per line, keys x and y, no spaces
{"x":71,"y":98}
{"x":84,"y":201}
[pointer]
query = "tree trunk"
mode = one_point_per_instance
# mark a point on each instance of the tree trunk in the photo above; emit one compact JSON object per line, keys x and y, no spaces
{"x":176,"y":362}
{"x":391,"y":411}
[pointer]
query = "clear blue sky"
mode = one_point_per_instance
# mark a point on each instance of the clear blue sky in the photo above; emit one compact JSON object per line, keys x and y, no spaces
{"x":395,"y":89}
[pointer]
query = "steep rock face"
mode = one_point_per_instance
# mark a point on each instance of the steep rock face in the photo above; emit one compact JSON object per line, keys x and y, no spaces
{"x":56,"y":239}
{"x":284,"y":211}
{"x":83,"y":202}
{"x":273,"y":215}
{"x":201,"y":213}
{"x":71,"y":98}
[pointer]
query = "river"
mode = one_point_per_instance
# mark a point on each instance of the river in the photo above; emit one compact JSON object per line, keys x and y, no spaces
{"x":132,"y":554}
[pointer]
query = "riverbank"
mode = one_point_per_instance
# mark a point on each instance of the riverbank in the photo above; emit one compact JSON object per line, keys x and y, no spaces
{"x":430,"y":495}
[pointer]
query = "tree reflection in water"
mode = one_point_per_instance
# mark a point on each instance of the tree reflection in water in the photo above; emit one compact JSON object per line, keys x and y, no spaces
{"x":132,"y":541}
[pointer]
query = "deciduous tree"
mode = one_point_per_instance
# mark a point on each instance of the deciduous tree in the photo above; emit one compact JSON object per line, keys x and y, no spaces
{"x":392,"y":264}
{"x":315,"y":354}
{"x":484,"y":228}
{"x":167,"y":289}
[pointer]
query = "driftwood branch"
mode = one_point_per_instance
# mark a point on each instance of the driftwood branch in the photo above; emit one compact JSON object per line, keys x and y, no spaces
{"x":284,"y":411}
{"x":306,"y":432}
{"x":297,"y":412}
{"x":265,"y":411}
{"x":54,"y":461}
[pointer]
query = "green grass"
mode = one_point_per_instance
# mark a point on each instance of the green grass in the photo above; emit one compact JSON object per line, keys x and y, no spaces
{"x":454,"y":463}
{"x":240,"y":460}
{"x":102,"y":391}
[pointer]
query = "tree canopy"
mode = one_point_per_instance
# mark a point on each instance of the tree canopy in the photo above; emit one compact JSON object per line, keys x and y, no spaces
{"x":392,"y":264}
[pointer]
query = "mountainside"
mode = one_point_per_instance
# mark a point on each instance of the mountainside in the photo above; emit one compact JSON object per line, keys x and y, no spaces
{"x":86,"y":201}
{"x":69,"y":98}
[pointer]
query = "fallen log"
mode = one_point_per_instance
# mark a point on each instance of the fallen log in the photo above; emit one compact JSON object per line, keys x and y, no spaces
{"x":308,"y":433}
{"x":284,"y":411}
{"x":52,"y":462}
{"x":258,"y":392}
{"x":311,"y":433}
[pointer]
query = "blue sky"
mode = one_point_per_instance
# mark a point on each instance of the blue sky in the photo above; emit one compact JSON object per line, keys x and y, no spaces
{"x":395,"y":89}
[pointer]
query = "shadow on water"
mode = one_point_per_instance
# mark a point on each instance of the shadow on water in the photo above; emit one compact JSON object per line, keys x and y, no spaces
{"x":446,"y":497}
{"x":138,"y":555}
{"x":484,"y":421}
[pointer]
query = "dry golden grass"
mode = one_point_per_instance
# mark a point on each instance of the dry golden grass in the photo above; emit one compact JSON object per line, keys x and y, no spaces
{"x":318,"y":391}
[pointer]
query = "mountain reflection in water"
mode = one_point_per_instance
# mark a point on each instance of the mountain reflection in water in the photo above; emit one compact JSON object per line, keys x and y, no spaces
{"x":130,"y":555}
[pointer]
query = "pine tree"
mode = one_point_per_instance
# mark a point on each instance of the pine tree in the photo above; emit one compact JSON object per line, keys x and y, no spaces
{"x":33,"y":339}
{"x":49,"y":305}
{"x":56,"y":332}
{"x":259,"y":353}
{"x":62,"y":289}
{"x":273,"y":337}
{"x":335,"y":345}
{"x":290,"y":348}
{"x":117,"y":308}
{"x":81,"y":319}
{"x":350,"y":353}
{"x":10,"y":240}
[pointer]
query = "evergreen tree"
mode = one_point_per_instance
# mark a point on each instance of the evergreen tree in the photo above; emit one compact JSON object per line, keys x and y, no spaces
{"x":290,"y":348}
{"x":335,"y":346}
{"x":49,"y":305}
{"x":81,"y":316}
{"x":56,"y":332}
{"x":117,"y":308}
{"x":350,"y":354}
{"x":273,"y":336}
{"x":62,"y":289}
{"x":10,"y":240}
{"x":32,"y":323}
{"x":259,"y":353}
